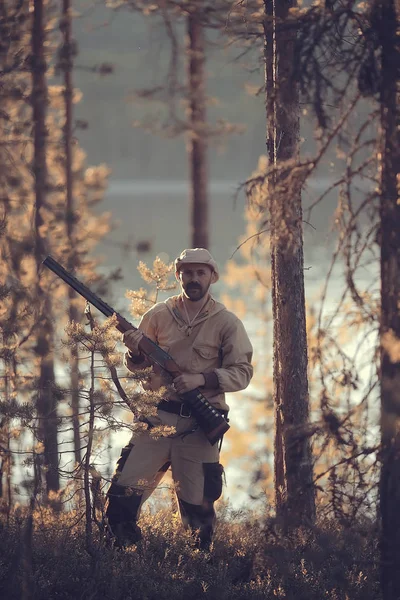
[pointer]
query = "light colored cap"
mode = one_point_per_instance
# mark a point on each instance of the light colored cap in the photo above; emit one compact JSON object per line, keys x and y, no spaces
{"x":196,"y":255}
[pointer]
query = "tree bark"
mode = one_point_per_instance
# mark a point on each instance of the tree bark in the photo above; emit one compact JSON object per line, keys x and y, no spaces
{"x":197,"y":136}
{"x":390,"y":299}
{"x":66,"y":66}
{"x":294,"y":490}
{"x":46,"y":402}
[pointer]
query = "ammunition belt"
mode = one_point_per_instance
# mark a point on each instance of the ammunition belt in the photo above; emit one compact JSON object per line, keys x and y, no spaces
{"x":180,"y":408}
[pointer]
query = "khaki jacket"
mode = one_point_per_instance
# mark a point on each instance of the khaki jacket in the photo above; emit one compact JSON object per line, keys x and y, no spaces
{"x":215,"y":342}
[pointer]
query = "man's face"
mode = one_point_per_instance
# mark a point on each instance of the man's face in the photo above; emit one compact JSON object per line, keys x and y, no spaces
{"x":195,"y":280}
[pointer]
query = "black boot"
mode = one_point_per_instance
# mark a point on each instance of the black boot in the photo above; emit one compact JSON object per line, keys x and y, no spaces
{"x":122,"y":512}
{"x":126,"y":534}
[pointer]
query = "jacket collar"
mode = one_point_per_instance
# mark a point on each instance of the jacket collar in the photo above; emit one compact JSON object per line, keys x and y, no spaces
{"x":210,"y":308}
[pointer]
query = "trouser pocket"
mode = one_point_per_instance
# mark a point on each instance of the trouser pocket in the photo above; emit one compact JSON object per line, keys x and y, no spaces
{"x":213,"y":480}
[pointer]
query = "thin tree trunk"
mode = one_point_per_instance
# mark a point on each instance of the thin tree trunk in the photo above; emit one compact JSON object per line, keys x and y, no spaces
{"x":5,"y":450}
{"x":390,"y":300}
{"x":27,"y":577}
{"x":46,"y":402}
{"x":89,"y":506}
{"x":8,"y":456}
{"x":66,"y":65}
{"x":269,"y":51}
{"x":293,"y":462}
{"x":197,"y":137}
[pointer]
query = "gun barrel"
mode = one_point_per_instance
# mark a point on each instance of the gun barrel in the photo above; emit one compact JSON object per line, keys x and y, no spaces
{"x":79,"y":287}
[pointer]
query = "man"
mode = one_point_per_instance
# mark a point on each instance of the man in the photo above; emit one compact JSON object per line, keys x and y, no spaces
{"x":214,"y":353}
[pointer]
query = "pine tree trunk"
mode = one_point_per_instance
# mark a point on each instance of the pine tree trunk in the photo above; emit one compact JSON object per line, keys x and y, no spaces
{"x":66,"y":66}
{"x":390,"y":299}
{"x":46,"y":402}
{"x":7,"y":462}
{"x":294,"y":489}
{"x":197,"y":136}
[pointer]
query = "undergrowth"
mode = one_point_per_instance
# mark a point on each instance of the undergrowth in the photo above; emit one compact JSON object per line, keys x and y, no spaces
{"x":248,"y":561}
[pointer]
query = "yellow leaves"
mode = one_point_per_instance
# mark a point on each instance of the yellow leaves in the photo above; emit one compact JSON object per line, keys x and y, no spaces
{"x":113,"y":360}
{"x":140,"y":294}
{"x":76,"y":95}
{"x":236,"y":305}
{"x":162,"y":431}
{"x":78,"y":160}
{"x":28,"y":270}
{"x":96,"y":176}
{"x":56,"y":96}
{"x":144,"y":401}
{"x":55,"y":91}
{"x":140,"y":302}
{"x":159,"y":274}
{"x":101,"y":339}
{"x":236,"y":274}
{"x":148,"y":9}
{"x":146,"y":273}
{"x":296,"y":11}
{"x":263,"y":163}
{"x":97,"y":227}
{"x":16,"y":433}
{"x":138,"y":428}
{"x":39,"y":448}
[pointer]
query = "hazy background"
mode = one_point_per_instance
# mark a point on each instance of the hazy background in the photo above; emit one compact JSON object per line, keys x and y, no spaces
{"x":148,"y":192}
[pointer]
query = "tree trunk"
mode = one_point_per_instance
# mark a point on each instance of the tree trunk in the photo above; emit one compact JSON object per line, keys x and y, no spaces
{"x":46,"y":402}
{"x":294,"y":489}
{"x":66,"y":66}
{"x":197,"y":136}
{"x":5,"y":453}
{"x":390,"y":300}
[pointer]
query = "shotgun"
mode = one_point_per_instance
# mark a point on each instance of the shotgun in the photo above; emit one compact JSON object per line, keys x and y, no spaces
{"x":209,"y":419}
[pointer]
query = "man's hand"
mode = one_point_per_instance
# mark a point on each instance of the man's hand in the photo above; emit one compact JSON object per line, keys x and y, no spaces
{"x":187,"y":382}
{"x":131,"y":339}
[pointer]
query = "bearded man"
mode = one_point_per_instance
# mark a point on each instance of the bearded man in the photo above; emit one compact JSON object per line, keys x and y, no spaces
{"x":212,"y":349}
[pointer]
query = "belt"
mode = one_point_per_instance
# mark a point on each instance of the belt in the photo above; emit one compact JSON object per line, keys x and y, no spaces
{"x":180,"y":408}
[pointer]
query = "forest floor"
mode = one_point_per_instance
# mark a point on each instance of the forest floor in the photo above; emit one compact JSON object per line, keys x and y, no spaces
{"x":249,"y":560}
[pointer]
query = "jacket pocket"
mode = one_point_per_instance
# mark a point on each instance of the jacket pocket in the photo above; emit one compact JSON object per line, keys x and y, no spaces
{"x":205,"y":358}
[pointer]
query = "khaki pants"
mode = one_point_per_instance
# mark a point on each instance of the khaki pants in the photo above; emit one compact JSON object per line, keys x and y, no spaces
{"x":196,"y":473}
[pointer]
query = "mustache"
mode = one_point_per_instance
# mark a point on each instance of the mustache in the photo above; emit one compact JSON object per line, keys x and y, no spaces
{"x":193,"y":286}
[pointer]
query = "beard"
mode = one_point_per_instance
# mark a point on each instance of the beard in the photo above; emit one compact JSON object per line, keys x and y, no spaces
{"x":195,"y":292}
